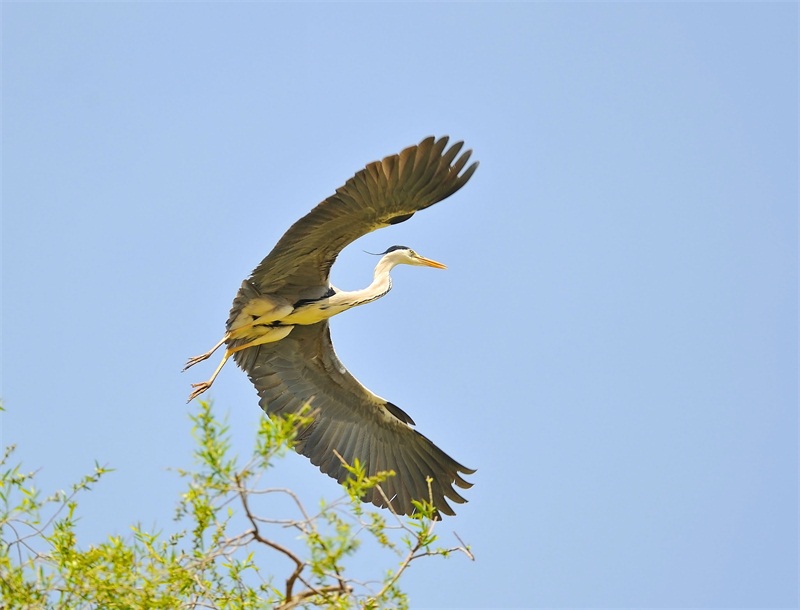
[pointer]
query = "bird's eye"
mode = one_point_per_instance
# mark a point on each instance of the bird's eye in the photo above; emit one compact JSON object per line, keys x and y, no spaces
{"x":412,"y":253}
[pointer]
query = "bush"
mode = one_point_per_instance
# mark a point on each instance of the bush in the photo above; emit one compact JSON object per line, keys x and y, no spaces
{"x":216,"y":557}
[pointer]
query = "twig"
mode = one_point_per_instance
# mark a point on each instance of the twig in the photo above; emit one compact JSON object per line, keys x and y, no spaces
{"x":463,"y":547}
{"x":299,"y":564}
{"x":298,"y":599}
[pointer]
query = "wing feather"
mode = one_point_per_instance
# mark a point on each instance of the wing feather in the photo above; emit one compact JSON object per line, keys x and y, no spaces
{"x":407,"y":473}
{"x":303,"y":369}
{"x":396,"y":186}
{"x":394,"y":492}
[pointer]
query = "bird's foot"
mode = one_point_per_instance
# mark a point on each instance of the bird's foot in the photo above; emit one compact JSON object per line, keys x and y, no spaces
{"x":199,"y":388}
{"x":194,"y":360}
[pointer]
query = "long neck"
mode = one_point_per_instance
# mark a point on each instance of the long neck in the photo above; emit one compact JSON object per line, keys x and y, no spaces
{"x":381,"y":284}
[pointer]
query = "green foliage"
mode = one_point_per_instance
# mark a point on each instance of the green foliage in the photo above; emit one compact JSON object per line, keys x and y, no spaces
{"x":216,"y":556}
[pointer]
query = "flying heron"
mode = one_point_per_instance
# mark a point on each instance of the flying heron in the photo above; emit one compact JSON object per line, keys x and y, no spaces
{"x":278,"y":332}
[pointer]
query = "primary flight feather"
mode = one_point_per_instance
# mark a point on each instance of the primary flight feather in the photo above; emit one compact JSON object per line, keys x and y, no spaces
{"x":278,"y":331}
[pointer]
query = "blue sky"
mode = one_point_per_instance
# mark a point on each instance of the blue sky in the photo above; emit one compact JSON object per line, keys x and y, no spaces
{"x":613,"y":346}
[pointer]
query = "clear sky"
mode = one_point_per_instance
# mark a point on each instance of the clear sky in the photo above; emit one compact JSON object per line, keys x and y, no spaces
{"x":613,"y":346}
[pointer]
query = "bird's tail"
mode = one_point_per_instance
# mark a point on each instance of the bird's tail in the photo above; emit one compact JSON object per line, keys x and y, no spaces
{"x":246,"y":293}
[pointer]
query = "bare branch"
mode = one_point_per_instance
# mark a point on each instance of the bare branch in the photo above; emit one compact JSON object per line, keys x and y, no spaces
{"x":299,"y":564}
{"x":300,"y":597}
{"x":463,"y":547}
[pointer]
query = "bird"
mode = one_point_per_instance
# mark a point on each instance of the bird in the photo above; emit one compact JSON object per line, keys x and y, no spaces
{"x":278,"y":331}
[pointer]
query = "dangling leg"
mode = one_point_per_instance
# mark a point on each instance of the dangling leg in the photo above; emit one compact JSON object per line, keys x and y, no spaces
{"x":276,"y":334}
{"x":252,"y":314}
{"x":195,"y":359}
{"x":201,"y":387}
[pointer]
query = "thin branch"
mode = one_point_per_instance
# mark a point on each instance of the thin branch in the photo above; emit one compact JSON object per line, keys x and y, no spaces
{"x":300,"y":597}
{"x":463,"y":547}
{"x":299,"y":564}
{"x":403,"y":565}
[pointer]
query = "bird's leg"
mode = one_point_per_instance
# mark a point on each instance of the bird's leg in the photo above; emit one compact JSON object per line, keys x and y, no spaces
{"x":274,"y":334}
{"x":239,"y":329}
{"x":201,"y":387}
{"x":195,"y":359}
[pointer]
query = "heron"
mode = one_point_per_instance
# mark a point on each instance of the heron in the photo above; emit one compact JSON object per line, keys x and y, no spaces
{"x":278,"y":330}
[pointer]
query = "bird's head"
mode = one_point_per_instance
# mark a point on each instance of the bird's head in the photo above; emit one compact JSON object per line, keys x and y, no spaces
{"x":403,"y":255}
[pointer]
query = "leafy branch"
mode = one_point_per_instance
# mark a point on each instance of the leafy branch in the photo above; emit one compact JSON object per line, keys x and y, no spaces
{"x":222,"y":553}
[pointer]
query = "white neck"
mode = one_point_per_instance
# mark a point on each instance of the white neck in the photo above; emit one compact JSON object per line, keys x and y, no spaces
{"x":381,"y":284}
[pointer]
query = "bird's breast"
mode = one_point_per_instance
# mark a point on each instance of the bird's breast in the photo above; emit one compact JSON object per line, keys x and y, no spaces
{"x":313,"y":312}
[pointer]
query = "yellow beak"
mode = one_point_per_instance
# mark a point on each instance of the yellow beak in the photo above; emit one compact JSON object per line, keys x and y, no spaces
{"x":430,"y":263}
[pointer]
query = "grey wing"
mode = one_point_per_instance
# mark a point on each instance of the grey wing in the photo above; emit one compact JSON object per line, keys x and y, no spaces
{"x":303,"y":369}
{"x":383,"y":193}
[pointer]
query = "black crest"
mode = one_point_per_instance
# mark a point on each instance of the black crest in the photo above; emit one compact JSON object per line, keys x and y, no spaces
{"x":393,"y":248}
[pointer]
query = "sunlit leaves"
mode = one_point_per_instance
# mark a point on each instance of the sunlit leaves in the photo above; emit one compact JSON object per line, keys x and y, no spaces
{"x":222,"y":553}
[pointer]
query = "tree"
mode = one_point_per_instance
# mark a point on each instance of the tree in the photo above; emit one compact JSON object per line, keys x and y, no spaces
{"x":215,"y":558}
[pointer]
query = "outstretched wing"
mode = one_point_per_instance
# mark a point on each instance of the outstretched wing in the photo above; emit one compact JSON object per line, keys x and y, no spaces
{"x":303,"y":369}
{"x":383,"y":193}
